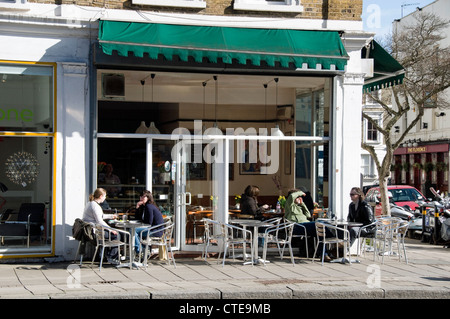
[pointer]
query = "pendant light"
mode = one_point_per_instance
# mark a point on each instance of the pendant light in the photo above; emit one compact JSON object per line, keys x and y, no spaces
{"x":276,"y":131}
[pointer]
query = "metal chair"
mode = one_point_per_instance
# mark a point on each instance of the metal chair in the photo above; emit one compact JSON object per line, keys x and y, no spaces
{"x":321,"y":230}
{"x":281,"y":235}
{"x":164,"y":241}
{"x":104,"y":236}
{"x":362,"y":244}
{"x":399,"y":238}
{"x":213,"y":235}
{"x":305,"y":236}
{"x":232,"y":236}
{"x":384,"y":236}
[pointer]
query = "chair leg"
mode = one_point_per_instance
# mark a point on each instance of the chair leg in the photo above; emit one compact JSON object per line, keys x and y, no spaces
{"x":292,"y":254}
{"x":101,"y":258}
{"x":95,"y":254}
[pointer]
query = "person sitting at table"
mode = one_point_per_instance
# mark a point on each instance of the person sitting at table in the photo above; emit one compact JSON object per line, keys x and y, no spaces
{"x":93,"y":213}
{"x":249,"y":202}
{"x":359,"y":211}
{"x":295,"y":210}
{"x":151,"y":216}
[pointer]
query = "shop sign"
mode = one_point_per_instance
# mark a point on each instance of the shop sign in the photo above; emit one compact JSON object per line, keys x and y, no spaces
{"x":419,"y":149}
{"x":431,"y":148}
{"x":24,"y":115}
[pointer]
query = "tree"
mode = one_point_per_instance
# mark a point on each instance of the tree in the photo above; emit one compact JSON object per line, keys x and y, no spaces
{"x":418,"y":48}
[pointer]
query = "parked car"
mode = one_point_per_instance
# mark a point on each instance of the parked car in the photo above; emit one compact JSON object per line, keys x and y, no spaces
{"x":404,"y":196}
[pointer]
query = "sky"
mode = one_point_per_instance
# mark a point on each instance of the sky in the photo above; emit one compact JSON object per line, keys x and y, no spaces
{"x":378,"y":15}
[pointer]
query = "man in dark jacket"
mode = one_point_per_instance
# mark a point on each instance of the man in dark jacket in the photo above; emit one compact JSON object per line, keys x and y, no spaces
{"x":361,"y":212}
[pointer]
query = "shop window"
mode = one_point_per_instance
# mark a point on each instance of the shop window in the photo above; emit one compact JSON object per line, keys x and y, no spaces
{"x":14,"y":5}
{"x":26,"y":159}
{"x":269,"y":5}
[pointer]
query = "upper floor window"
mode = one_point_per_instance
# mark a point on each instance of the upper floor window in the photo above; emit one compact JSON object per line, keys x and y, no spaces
{"x":372,"y":133}
{"x":14,"y":5}
{"x":200,"y":4}
{"x":269,"y":5}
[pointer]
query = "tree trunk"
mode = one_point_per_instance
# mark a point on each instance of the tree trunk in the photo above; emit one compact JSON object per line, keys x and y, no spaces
{"x":385,"y":205}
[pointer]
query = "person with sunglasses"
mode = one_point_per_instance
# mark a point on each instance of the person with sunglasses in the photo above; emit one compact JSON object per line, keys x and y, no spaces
{"x":359,"y":211}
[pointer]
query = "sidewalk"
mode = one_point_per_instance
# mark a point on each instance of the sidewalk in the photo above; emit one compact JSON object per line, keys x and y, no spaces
{"x":425,"y":277}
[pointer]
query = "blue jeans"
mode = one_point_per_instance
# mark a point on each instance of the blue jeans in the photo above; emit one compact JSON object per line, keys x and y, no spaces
{"x":144,"y":231}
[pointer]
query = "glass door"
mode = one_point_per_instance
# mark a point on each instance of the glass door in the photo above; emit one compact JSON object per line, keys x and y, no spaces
{"x":194,"y":195}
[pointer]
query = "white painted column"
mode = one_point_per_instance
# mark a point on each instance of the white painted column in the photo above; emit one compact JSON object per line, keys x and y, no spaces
{"x":347,"y":157}
{"x":72,"y":141}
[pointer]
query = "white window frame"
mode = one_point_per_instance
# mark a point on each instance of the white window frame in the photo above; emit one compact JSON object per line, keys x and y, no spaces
{"x":199,"y":4}
{"x":14,"y":5}
{"x":264,"y":5}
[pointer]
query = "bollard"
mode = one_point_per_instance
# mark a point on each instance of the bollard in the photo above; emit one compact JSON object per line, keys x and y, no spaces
{"x":437,"y":229}
{"x":424,"y":216}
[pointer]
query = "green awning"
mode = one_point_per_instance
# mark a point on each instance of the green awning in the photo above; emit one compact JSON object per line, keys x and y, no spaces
{"x":386,"y":70}
{"x":229,"y":44}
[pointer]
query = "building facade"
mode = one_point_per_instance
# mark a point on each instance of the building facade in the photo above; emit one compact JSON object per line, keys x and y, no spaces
{"x":191,"y":99}
{"x":422,"y":160}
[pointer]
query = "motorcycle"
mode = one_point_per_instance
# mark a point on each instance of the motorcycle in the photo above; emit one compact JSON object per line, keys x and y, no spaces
{"x":436,"y":226}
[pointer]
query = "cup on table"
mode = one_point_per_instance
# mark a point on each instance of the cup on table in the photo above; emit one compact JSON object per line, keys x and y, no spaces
{"x":125,"y":218}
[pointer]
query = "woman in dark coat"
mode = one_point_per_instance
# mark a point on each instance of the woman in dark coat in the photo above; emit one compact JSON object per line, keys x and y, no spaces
{"x":359,"y":211}
{"x":151,"y":216}
{"x":249,"y":202}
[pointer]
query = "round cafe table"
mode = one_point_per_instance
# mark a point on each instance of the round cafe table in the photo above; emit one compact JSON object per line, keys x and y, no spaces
{"x":130,"y":226}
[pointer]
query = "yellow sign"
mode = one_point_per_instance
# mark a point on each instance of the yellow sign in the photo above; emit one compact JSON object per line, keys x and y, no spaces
{"x":417,"y":149}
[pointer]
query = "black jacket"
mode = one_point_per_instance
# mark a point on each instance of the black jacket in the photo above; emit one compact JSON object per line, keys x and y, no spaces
{"x":249,"y":206}
{"x":83,"y":231}
{"x":362,"y":214}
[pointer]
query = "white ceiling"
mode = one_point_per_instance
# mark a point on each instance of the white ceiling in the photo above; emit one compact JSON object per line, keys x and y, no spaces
{"x":224,"y":80}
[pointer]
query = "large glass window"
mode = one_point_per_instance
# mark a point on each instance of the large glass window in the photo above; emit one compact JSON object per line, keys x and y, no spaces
{"x":311,"y":158}
{"x":26,"y":158}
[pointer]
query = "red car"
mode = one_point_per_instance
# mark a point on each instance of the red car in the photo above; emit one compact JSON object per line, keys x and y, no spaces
{"x":402,"y":195}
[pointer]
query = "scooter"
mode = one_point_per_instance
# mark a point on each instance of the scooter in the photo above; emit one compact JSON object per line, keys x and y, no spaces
{"x":436,"y":225}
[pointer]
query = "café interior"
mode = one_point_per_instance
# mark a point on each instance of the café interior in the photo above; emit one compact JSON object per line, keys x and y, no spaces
{"x":196,"y":140}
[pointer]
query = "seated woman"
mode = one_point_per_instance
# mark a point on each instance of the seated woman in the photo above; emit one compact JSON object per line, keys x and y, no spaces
{"x":295,"y":210}
{"x":249,"y":202}
{"x":151,"y":215}
{"x":93,"y":213}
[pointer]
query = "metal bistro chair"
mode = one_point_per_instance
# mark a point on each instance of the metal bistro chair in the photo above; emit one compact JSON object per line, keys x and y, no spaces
{"x":164,"y":241}
{"x":399,"y":234}
{"x":321,"y":228}
{"x":234,"y":235}
{"x":305,"y":236}
{"x":362,"y":244}
{"x":103,"y":235}
{"x":213,"y":235}
{"x":281,"y":235}
{"x":384,"y":236}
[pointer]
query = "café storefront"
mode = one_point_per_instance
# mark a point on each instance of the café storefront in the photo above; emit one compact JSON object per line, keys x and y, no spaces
{"x":197,"y":125}
{"x":422,"y":166}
